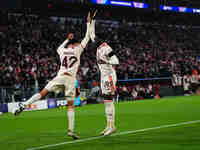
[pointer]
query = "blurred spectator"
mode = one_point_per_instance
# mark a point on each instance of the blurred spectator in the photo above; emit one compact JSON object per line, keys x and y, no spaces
{"x":95,"y":93}
{"x":28,"y":49}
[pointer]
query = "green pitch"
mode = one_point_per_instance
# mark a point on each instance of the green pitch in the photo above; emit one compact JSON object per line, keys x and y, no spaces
{"x":49,"y":127}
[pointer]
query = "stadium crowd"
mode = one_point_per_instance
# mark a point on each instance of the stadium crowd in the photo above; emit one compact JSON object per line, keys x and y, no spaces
{"x":28,"y":49}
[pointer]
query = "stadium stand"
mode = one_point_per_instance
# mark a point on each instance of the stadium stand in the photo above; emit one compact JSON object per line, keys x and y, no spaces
{"x":146,"y":50}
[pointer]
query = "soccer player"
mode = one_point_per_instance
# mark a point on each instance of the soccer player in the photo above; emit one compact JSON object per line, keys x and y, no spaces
{"x":69,"y":52}
{"x":106,"y":59}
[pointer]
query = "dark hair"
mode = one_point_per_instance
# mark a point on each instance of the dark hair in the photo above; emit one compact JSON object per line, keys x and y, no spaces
{"x":72,"y":41}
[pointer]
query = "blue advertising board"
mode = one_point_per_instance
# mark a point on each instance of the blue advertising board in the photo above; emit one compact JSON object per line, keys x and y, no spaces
{"x":121,"y":3}
{"x":3,"y":108}
{"x":52,"y":103}
{"x":179,"y":9}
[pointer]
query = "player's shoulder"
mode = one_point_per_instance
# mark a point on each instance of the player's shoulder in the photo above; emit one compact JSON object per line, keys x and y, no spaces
{"x":103,"y":45}
{"x":60,"y":50}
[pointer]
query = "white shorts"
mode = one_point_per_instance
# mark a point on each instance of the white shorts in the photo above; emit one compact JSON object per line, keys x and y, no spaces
{"x":108,"y":84}
{"x":62,"y":83}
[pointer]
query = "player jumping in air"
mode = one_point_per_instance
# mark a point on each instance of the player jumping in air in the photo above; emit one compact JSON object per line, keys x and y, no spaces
{"x":69,"y":52}
{"x":106,"y":59}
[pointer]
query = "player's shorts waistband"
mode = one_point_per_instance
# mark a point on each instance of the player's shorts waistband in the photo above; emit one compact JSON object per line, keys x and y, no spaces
{"x":67,"y":74}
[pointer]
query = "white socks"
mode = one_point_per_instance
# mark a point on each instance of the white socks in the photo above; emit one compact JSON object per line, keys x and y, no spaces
{"x":113,"y":115}
{"x":71,"y":116}
{"x":33,"y":99}
{"x":110,"y":114}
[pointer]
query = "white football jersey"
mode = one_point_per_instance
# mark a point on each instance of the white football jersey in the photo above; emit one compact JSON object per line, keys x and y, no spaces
{"x":102,"y":59}
{"x":69,"y":59}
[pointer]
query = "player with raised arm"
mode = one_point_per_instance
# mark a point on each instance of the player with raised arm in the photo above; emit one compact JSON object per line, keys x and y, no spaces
{"x":69,"y":53}
{"x":106,"y":59}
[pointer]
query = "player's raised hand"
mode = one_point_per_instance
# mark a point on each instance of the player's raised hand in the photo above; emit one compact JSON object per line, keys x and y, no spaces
{"x":94,"y":14}
{"x":70,"y":36}
{"x":88,"y":17}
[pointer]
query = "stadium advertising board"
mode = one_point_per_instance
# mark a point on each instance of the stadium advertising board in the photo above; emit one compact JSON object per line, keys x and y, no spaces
{"x":52,"y":103}
{"x":121,"y":3}
{"x":40,"y":105}
{"x":198,"y":58}
{"x":3,"y":108}
{"x":133,"y":4}
{"x":61,"y":103}
{"x":179,"y":9}
{"x":37,"y":106}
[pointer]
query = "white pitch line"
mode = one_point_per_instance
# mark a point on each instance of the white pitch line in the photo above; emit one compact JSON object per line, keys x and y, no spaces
{"x":121,"y":133}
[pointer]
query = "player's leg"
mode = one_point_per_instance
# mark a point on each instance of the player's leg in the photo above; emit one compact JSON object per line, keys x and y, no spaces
{"x":71,"y":119}
{"x":104,"y":88}
{"x":70,"y":93}
{"x":51,"y":86}
{"x":108,"y":89}
{"x":36,"y":97}
{"x":113,"y":80}
{"x":110,"y":115}
{"x":30,"y":101}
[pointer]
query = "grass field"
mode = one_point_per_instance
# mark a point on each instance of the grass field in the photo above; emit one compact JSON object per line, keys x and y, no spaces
{"x":165,"y":122}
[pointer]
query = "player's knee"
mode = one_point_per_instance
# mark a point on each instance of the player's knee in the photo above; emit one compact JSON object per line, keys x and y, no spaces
{"x":43,"y":93}
{"x":70,"y":102}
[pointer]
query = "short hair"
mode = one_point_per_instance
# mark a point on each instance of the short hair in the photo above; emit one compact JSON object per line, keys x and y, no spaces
{"x":71,"y":41}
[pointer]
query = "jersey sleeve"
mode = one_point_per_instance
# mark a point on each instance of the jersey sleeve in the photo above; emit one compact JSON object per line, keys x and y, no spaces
{"x":113,"y":60}
{"x":61,"y":47}
{"x":85,"y":39}
{"x":102,"y":53}
{"x":92,"y":31}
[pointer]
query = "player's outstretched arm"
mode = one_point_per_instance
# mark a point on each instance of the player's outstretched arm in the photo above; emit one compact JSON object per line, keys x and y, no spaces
{"x":92,"y":27}
{"x":92,"y":31}
{"x":112,"y":61}
{"x":87,"y":35}
{"x":69,"y":37}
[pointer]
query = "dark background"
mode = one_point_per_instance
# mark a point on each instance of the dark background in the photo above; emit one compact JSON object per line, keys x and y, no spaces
{"x":81,"y":7}
{"x":43,"y":4}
